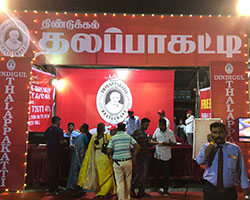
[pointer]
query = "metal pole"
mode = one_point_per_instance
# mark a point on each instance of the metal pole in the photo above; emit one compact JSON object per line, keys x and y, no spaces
{"x":197,"y":102}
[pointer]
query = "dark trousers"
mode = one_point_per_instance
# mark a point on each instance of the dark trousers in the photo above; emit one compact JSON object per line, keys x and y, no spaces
{"x":163,"y":167}
{"x":211,"y":192}
{"x":142,"y":163}
{"x":54,"y":161}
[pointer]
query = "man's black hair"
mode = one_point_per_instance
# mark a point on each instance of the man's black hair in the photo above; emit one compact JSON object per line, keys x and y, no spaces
{"x":145,"y":120}
{"x":55,"y":119}
{"x":71,"y":123}
{"x":84,"y":127}
{"x":217,"y":124}
{"x":162,"y":121}
{"x":99,"y":127}
{"x":121,"y":127}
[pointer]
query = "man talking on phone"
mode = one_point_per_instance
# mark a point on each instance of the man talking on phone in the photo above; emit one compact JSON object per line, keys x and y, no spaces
{"x":225,"y":166}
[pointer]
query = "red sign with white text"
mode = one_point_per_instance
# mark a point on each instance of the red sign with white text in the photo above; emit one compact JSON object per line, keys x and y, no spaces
{"x":205,"y":103}
{"x":14,"y":98}
{"x":229,"y":94}
{"x":126,"y":40}
{"x":96,"y":39}
{"x":89,"y":95}
{"x":41,"y":101}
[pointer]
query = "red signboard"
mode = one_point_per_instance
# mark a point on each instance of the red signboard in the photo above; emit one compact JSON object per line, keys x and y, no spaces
{"x":229,"y":91}
{"x":205,"y":103}
{"x":117,"y":40}
{"x":86,"y":95}
{"x":14,"y":98}
{"x":41,"y":101}
{"x":88,"y":39}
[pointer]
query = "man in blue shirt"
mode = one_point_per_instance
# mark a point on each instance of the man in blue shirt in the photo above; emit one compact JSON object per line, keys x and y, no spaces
{"x":132,"y":122}
{"x":71,"y":133}
{"x":225,"y":166}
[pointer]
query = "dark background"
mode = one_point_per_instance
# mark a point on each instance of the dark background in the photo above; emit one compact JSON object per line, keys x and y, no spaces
{"x":195,"y":7}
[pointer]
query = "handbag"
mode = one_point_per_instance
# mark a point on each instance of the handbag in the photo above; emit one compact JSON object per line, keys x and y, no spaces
{"x":104,"y":145}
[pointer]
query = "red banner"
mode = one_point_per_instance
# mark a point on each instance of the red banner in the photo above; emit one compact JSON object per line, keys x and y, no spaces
{"x":41,"y":101}
{"x":87,"y":92}
{"x":97,"y":39}
{"x":229,"y":91}
{"x":205,"y":103}
{"x":14,"y":98}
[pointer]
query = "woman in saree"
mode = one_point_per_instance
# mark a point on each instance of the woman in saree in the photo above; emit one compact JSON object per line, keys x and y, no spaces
{"x":79,"y":149}
{"x":97,"y":170}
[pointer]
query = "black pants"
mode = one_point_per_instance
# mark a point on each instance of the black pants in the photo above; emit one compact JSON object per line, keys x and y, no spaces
{"x":164,"y":167}
{"x":54,"y":161}
{"x":210,"y":192}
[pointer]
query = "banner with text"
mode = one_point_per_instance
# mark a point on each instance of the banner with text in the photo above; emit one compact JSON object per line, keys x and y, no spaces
{"x":41,"y":101}
{"x":14,"y":99}
{"x":105,"y":95}
{"x":125,"y":40}
{"x":229,"y":92}
{"x":205,"y":103}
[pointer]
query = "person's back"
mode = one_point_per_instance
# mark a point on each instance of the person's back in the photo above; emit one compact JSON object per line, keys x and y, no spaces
{"x":89,"y":136}
{"x":78,"y":154}
{"x":53,"y":136}
{"x":81,"y":145}
{"x":54,"y":139}
{"x":120,"y":145}
{"x":85,"y":129}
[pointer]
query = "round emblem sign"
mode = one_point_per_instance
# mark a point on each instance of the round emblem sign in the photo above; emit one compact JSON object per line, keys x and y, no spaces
{"x":113,"y":101}
{"x":11,"y":65}
{"x":14,"y":38}
{"x":229,"y":68}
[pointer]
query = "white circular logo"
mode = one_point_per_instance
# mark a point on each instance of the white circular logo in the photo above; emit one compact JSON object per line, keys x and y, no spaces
{"x":229,"y":68}
{"x":11,"y":65}
{"x":113,"y":101}
{"x":14,"y":38}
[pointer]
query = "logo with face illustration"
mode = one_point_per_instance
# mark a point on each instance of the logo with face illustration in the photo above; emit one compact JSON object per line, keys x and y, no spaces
{"x":14,"y":38}
{"x":113,"y":100}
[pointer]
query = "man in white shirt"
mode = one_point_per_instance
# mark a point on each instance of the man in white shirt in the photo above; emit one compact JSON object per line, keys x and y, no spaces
{"x":165,"y":138}
{"x":161,"y":114}
{"x":132,"y":122}
{"x":190,"y":127}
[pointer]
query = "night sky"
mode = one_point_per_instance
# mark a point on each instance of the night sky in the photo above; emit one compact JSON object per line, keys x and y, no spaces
{"x":195,"y":7}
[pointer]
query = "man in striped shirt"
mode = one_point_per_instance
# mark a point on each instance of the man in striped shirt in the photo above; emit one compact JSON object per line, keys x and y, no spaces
{"x":119,"y":146}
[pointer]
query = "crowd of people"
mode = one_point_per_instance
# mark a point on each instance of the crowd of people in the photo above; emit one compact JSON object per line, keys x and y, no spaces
{"x":117,"y":162}
{"x":104,"y":163}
